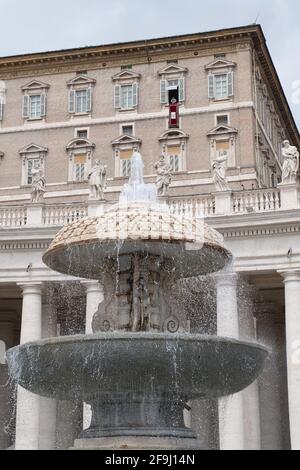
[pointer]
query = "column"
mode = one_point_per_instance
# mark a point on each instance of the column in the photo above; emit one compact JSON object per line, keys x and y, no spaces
{"x":94,"y":296}
{"x":231,"y":420}
{"x":7,"y":337}
{"x":47,"y":440}
{"x":292,"y":320}
{"x":251,"y":406}
{"x":27,"y":422}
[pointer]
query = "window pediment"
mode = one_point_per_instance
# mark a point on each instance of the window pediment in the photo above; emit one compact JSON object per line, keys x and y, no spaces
{"x":220,"y":64}
{"x":126,"y":75}
{"x":80,"y":144}
{"x":35,"y":85}
{"x":171,"y":134}
{"x":81,"y":80}
{"x":33,"y":148}
{"x":172,"y":70}
{"x":126,"y":140}
{"x":222,"y":130}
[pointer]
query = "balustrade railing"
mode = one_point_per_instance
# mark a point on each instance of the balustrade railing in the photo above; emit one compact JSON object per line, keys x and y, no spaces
{"x":256,"y":201}
{"x":194,"y":206}
{"x":64,"y":214}
{"x":13,"y":216}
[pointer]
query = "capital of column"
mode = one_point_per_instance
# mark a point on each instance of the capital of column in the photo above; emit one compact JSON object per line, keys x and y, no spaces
{"x":31,"y":288}
{"x":92,"y":286}
{"x":290,"y":276}
{"x":226,"y":279}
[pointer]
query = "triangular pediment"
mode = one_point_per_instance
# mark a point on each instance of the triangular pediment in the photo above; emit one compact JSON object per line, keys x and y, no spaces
{"x":125,"y":140}
{"x":126,"y":75}
{"x":172,"y":70}
{"x":173,"y":134}
{"x":220,"y":64}
{"x":222,"y":129}
{"x":35,"y":85}
{"x":80,"y":143}
{"x":33,"y":148}
{"x":81,"y":80}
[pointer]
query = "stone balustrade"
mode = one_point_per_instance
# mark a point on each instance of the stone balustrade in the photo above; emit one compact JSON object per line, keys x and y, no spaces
{"x":285,"y":197}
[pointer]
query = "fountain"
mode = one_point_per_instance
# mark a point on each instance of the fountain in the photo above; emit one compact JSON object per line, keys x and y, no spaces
{"x":142,"y":365}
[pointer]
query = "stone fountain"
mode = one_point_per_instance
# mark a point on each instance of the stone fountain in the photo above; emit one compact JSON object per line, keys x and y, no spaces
{"x":141,"y":366}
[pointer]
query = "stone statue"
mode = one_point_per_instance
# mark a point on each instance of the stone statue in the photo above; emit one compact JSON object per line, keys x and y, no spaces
{"x":164,"y":176}
{"x":290,"y":163}
{"x":219,"y":173}
{"x":97,"y":181}
{"x":38,"y":186}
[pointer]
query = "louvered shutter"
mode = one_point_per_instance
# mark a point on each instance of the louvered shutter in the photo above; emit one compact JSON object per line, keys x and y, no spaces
{"x":25,"y":106}
{"x":72,"y":96}
{"x":181,"y":89}
{"x":211,"y":86}
{"x":43,"y":104}
{"x":230,"y":84}
{"x":163,"y":92}
{"x":117,"y":96}
{"x":89,"y":100}
{"x":135,"y":94}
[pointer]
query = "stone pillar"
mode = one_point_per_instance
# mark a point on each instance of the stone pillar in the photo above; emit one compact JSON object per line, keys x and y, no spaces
{"x":251,"y":406}
{"x":35,"y":215}
{"x":94,"y":296}
{"x":231,"y":420}
{"x":48,"y":406}
{"x":96,"y":208}
{"x":289,"y":196}
{"x":292,"y":320}
{"x":223,"y":200}
{"x":28,"y":411}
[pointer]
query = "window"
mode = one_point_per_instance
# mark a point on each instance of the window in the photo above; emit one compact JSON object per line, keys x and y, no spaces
{"x":80,"y":101}
{"x":125,"y":162}
{"x":127,"y":130}
{"x":222,"y":119}
{"x":172,"y":61}
{"x":34,"y":106}
{"x":220,"y":85}
{"x":80,"y":168}
{"x":82,"y":133}
{"x":126,"y":96}
{"x":173,"y":88}
{"x":175,"y":161}
{"x":32,"y":164}
{"x":126,"y":67}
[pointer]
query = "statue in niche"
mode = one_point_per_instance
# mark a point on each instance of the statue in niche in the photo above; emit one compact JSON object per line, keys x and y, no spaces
{"x":290,"y":163}
{"x":219,"y":172}
{"x":98,"y":181}
{"x":38,"y":186}
{"x":164,"y":176}
{"x":140,"y":300}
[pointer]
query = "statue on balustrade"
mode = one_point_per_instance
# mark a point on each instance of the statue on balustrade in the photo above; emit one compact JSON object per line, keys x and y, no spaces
{"x":290,"y":163}
{"x":98,"y":181}
{"x":219,"y":172}
{"x":164,"y":176}
{"x":38,"y":186}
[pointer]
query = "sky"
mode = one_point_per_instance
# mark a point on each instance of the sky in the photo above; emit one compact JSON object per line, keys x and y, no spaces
{"x":36,"y":25}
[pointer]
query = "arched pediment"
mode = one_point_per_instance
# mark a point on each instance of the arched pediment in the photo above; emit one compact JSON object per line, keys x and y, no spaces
{"x":173,"y":134}
{"x":172,"y":70}
{"x":80,"y":143}
{"x":126,"y":75}
{"x":222,"y":130}
{"x":33,"y":148}
{"x":35,"y":85}
{"x":220,"y":64}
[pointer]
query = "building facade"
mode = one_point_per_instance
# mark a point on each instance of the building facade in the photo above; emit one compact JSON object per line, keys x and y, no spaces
{"x":62,"y":111}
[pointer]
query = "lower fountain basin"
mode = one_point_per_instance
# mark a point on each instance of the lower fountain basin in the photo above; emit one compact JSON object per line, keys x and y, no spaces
{"x":182,"y":365}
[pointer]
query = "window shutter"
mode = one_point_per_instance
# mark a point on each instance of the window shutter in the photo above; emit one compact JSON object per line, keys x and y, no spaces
{"x":89,"y":101}
{"x":163,"y":92}
{"x":181,"y":89}
{"x":43,"y":104}
{"x":25,"y":106}
{"x":117,"y":96}
{"x":211,"y":86}
{"x":1,"y":110}
{"x":230,"y":84}
{"x":135,"y":94}
{"x":72,"y":101}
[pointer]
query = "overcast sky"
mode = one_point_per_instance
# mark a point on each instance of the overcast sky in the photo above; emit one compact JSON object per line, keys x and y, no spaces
{"x":35,"y":25}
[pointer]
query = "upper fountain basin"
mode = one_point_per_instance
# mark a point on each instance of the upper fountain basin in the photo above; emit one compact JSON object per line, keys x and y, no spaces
{"x":85,"y":248}
{"x":190,"y":366}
